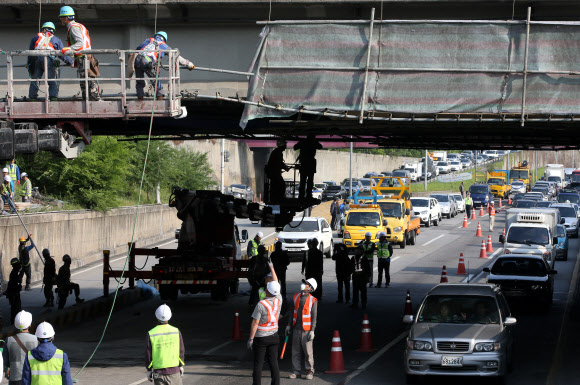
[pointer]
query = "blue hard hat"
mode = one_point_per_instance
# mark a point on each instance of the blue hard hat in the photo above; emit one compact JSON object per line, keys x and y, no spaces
{"x":162,"y":34}
{"x":66,"y":11}
{"x":48,"y":25}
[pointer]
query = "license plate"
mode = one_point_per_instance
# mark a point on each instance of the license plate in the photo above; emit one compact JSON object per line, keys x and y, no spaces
{"x":477,"y":201}
{"x":451,"y":361}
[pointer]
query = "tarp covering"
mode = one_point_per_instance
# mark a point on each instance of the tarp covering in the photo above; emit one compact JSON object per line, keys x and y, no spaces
{"x":417,"y":46}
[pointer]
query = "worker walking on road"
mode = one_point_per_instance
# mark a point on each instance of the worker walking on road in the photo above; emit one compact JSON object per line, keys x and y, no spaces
{"x":281,"y":261}
{"x":147,"y":61}
{"x":49,"y":278}
{"x":462,"y":190}
{"x":17,"y":347}
{"x":165,"y":351}
{"x":24,"y":258}
{"x":369,"y":248}
{"x":264,"y":339}
{"x":303,"y":326}
{"x":491,"y":212}
{"x":26,"y":192}
{"x":313,"y":266}
{"x":14,"y":288}
{"x":307,"y":165}
{"x":384,"y":254}
{"x":274,"y":169}
{"x":360,"y":278}
{"x":45,"y":364}
{"x":343,"y":271}
{"x":78,"y":39}
{"x":468,"y":204}
{"x":64,"y":284}
{"x":252,"y":250}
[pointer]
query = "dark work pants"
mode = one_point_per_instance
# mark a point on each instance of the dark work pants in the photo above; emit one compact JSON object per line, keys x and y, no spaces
{"x":15,"y":306}
{"x":266,"y":347}
{"x":306,"y":183}
{"x":468,"y":210}
{"x":39,"y":74}
{"x":282,"y":279}
{"x":25,"y":270}
{"x":145,"y":67}
{"x":384,"y":265}
{"x":48,"y":293}
{"x":359,"y":285}
{"x":14,"y":382}
{"x":343,"y":281}
{"x":64,"y":292}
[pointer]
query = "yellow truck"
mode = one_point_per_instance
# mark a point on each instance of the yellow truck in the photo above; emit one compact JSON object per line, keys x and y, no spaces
{"x":394,"y":198}
{"x":521,"y":173}
{"x":498,"y":183}
{"x":360,"y":219}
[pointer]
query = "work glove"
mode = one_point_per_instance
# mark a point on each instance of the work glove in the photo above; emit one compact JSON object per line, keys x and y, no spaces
{"x":288,"y":330}
{"x":310,"y":335}
{"x":190,"y":66}
{"x":18,"y":182}
{"x":150,"y":375}
{"x":65,"y":50}
{"x":250,"y":343}
{"x":181,"y":371}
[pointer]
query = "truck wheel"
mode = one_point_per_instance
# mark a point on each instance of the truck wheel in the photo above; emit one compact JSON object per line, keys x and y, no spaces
{"x":436,"y":221}
{"x":404,"y":242}
{"x":428,"y":223}
{"x":330,"y":250}
{"x":173,"y":293}
{"x":413,"y":239}
{"x":164,"y":292}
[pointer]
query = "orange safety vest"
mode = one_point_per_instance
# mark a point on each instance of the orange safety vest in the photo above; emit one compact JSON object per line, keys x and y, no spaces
{"x":491,"y":210}
{"x":153,"y":45}
{"x":43,"y":42}
{"x":85,"y":34}
{"x":306,"y":311}
{"x":272,"y":322}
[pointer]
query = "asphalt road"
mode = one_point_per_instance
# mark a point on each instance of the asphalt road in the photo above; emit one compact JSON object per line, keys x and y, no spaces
{"x":212,"y":358}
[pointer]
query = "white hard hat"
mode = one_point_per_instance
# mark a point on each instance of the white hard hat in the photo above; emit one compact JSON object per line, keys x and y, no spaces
{"x":23,"y":320}
{"x":7,"y":179}
{"x":163,"y":313}
{"x":273,"y":288}
{"x":382,"y":234}
{"x":4,"y":169}
{"x":260,"y":234}
{"x":311,"y":282}
{"x":23,"y":175}
{"x":44,"y":331}
{"x":368,"y":234}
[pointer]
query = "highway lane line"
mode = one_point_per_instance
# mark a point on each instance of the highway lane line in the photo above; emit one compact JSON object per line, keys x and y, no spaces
{"x":375,"y":357}
{"x":212,"y":350}
{"x":139,"y":382}
{"x":392,"y":260}
{"x":269,"y":235}
{"x":433,"y":240}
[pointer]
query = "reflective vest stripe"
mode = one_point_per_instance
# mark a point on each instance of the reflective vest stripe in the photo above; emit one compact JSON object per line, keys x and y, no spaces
{"x":272,"y":322}
{"x":358,"y":265}
{"x":165,"y":347}
{"x":27,"y":189}
{"x":162,"y":334}
{"x":46,"y":372}
{"x":383,"y":250}
{"x":12,"y":171}
{"x":153,"y":45}
{"x":84,"y":33}
{"x":306,"y":311}
{"x":56,"y":355}
{"x":43,"y":42}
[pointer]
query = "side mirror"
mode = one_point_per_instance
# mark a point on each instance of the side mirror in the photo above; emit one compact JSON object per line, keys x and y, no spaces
{"x":555,"y":241}
{"x":552,"y":272}
{"x":486,"y":269}
{"x":510,"y":321}
{"x":408,"y":319}
{"x":502,"y":238}
{"x":384,"y":222}
{"x":407,"y":212}
{"x":562,"y":221}
{"x":244,"y":235}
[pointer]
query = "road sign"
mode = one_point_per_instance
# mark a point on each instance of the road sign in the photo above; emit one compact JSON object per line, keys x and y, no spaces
{"x":455,"y":177}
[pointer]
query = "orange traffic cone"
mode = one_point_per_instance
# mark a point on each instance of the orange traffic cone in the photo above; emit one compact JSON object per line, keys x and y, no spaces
{"x":444,"y":275}
{"x":461,"y":266}
{"x":482,"y":253}
{"x":503,"y":233}
{"x":500,"y":205}
{"x":509,"y":200}
{"x":465,"y":224}
{"x":473,"y":217}
{"x":408,"y":304}
{"x":478,"y":233}
{"x":336,"y":360}
{"x":366,"y":340}
{"x":237,"y":333}
{"x":481,"y":213}
{"x":489,"y":244}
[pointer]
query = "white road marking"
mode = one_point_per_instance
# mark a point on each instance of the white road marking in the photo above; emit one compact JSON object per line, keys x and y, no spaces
{"x":392,"y":260}
{"x":139,"y":382}
{"x":433,"y":240}
{"x":269,"y":235}
{"x":217,"y":348}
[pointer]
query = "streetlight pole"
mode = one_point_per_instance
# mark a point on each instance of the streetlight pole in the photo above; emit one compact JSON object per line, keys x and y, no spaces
{"x":425,"y":169}
{"x":350,"y":167}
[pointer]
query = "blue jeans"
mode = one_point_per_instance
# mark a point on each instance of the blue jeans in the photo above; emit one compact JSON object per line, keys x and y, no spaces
{"x":145,"y":67}
{"x":38,"y":73}
{"x":6,"y":200}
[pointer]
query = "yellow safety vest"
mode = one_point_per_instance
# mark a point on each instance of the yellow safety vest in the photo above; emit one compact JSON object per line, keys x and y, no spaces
{"x":46,"y":372}
{"x":368,"y":247}
{"x":12,"y":171}
{"x":26,"y":189}
{"x":254,"y":250}
{"x":165,"y":345}
{"x":468,"y":201}
{"x":383,"y":250}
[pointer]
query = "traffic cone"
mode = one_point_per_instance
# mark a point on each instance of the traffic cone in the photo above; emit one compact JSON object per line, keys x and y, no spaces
{"x":465,"y":224}
{"x":481,"y":213}
{"x":237,"y":333}
{"x":503,"y":233}
{"x":366,"y":340}
{"x":444,"y":275}
{"x":500,"y":205}
{"x":473,"y":217}
{"x":478,"y":233}
{"x":489,"y":244}
{"x":461,"y":266}
{"x":482,"y":253}
{"x":336,"y":360}
{"x":408,"y":304}
{"x":509,"y":200}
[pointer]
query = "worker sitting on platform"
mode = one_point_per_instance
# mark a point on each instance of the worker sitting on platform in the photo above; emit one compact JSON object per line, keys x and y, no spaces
{"x":146,"y":63}
{"x":45,"y":40}
{"x":64,"y":285}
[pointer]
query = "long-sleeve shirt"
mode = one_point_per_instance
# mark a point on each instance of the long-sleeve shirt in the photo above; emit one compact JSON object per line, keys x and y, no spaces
{"x":27,"y":189}
{"x":24,"y":254}
{"x":58,"y":45}
{"x":163,"y":46}
{"x":280,"y":260}
{"x":313,"y":264}
{"x":14,"y":356}
{"x":149,"y":356}
{"x":313,"y":312}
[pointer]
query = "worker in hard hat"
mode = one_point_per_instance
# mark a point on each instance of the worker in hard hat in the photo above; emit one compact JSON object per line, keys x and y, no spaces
{"x":49,"y":278}
{"x":13,"y":289}
{"x":254,"y":243}
{"x":17,"y":347}
{"x":307,"y":165}
{"x":281,"y":261}
{"x":7,"y":194}
{"x":77,"y":36}
{"x":26,"y":192}
{"x":264,"y":338}
{"x":313,"y":266}
{"x":303,"y":326}
{"x":45,"y":364}
{"x":147,"y":60}
{"x":24,"y":258}
{"x":45,"y":40}
{"x":369,"y":250}
{"x":13,"y":171}
{"x":64,"y":284}
{"x":165,"y":352}
{"x":6,"y":173}
{"x":258,"y":270}
{"x":274,"y":169}
{"x":360,"y":277}
{"x":384,"y":254}
{"x":491,"y":212}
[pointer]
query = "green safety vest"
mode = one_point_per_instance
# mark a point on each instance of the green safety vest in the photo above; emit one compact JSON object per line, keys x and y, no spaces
{"x":383,"y":250}
{"x":468,"y":201}
{"x":26,"y":189}
{"x":367,"y":247}
{"x":254,"y":250}
{"x":262,"y":293}
{"x":165,"y":347}
{"x":12,"y":171}
{"x":46,"y":372}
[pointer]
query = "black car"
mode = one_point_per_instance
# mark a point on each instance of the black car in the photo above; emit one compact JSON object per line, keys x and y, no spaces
{"x":332,"y":192}
{"x":525,"y":203}
{"x":523,"y":276}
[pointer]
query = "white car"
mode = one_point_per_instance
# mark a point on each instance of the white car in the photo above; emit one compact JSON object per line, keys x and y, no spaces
{"x":295,"y":235}
{"x":460,"y":202}
{"x":428,"y":209}
{"x":443,"y":167}
{"x":518,"y":187}
{"x":455,"y":166}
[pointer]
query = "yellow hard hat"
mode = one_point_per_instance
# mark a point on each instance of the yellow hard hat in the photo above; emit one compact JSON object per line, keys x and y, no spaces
{"x":22,"y":239}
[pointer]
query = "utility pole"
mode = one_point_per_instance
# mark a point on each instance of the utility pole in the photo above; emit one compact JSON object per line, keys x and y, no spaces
{"x":350,"y":167}
{"x":425,"y":169}
{"x":158,"y":187}
{"x":223,"y":166}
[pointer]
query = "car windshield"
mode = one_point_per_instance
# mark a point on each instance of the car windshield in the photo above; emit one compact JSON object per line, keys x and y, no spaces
{"x":301,"y":226}
{"x":519,"y":196}
{"x":478,"y":190}
{"x":457,"y":197}
{"x":543,"y":204}
{"x":365,"y":182}
{"x":568,"y":212}
{"x":420,"y":202}
{"x":528,"y":235}
{"x":240,"y":186}
{"x":519,"y":174}
{"x":357,"y":218}
{"x":529,"y":267}
{"x":455,"y":163}
{"x":554,"y":179}
{"x":561,"y":231}
{"x":441,"y":198}
{"x":465,"y":309}
{"x":525,"y":204}
{"x":496,"y":181}
{"x":568,"y":198}
{"x":441,"y":163}
{"x":575,"y":178}
{"x":391,"y":209}
{"x":541,"y":190}
{"x":332,"y":188}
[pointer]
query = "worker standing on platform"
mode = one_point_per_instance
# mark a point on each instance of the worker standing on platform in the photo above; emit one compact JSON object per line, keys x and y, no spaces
{"x":46,"y":364}
{"x":49,"y":278}
{"x":264,"y":338}
{"x":360,"y":278}
{"x":468,"y":204}
{"x":78,"y":39}
{"x":384,"y":254}
{"x":491,"y":212}
{"x":26,"y":191}
{"x":24,"y":258}
{"x":13,"y":171}
{"x":280,"y":260}
{"x":369,"y":248}
{"x":343,"y":271}
{"x":17,"y":348}
{"x":64,"y":284}
{"x":44,"y":40}
{"x":13,"y":290}
{"x":274,"y":170}
{"x":303,"y":326}
{"x":165,"y":352}
{"x":252,"y":250}
{"x":146,"y":63}
{"x":307,"y":165}
{"x":313,"y":266}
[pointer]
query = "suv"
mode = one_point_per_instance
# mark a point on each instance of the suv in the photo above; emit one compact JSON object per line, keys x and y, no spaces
{"x":241,"y":191}
{"x":460,"y":330}
{"x":570,"y":215}
{"x":428,"y":209}
{"x":448,"y":205}
{"x":332,"y":192}
{"x":356,"y":186}
{"x":295,"y":235}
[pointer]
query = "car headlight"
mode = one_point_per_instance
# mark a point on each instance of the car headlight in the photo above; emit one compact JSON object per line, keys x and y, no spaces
{"x":346,"y":235}
{"x":486,"y":347}
{"x":487,"y":197}
{"x":547,"y":253}
{"x":397,"y":229}
{"x":420,"y":345}
{"x":278,"y":239}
